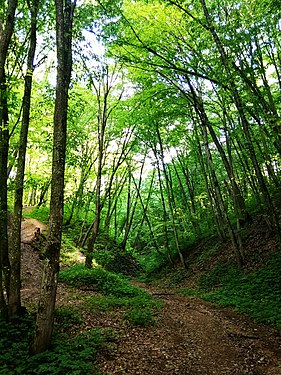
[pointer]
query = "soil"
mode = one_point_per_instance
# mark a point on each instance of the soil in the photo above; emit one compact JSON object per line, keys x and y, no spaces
{"x":190,"y":336}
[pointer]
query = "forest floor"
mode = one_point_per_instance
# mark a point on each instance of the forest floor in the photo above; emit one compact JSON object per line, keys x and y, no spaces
{"x":190,"y":336}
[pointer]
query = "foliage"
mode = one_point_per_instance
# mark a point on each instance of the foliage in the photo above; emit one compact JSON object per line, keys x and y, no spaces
{"x":39,"y":213}
{"x":117,"y":260}
{"x":256,"y":294}
{"x":152,"y":263}
{"x":109,"y":302}
{"x":183,"y":141}
{"x":69,"y":254}
{"x":189,"y":292}
{"x":220,"y":275}
{"x":67,"y":355}
{"x":67,"y":317}
{"x":105,"y":281}
{"x":14,"y":338}
{"x":117,"y":293}
{"x":142,"y":318}
{"x":139,"y":310}
{"x":208,"y":253}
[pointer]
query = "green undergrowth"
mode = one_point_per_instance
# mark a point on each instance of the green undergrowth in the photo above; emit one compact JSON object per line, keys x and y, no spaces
{"x":39,"y":213}
{"x":104,"y":281}
{"x":70,"y":254}
{"x":257,"y":294}
{"x":66,"y":318}
{"x":116,"y":292}
{"x":69,"y":354}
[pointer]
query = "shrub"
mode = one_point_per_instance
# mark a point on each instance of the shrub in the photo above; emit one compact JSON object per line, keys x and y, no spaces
{"x":104,"y":303}
{"x":117,"y":292}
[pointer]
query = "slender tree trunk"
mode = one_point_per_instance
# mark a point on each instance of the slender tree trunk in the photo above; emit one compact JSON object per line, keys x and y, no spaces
{"x":216,"y":214}
{"x":220,"y":202}
{"x":45,"y":314}
{"x":191,"y":191}
{"x":15,"y":247}
{"x":99,"y":206}
{"x":169,"y":198}
{"x":44,"y":193}
{"x":6,"y":32}
{"x":113,"y":199}
{"x":82,"y":238}
{"x":102,"y":92}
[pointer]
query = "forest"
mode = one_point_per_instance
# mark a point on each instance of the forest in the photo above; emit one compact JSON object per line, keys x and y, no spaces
{"x":140,"y":164}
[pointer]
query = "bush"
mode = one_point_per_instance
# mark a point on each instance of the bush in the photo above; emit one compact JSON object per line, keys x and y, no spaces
{"x":117,"y":292}
{"x":117,"y":260}
{"x":104,"y":303}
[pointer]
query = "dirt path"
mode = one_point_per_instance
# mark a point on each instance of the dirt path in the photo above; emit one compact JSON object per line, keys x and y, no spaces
{"x":194,"y":337}
{"x":190,"y":336}
{"x":31,"y":266}
{"x":29,"y":227}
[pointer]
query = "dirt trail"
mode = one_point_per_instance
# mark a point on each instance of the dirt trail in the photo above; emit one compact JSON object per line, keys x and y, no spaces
{"x":190,"y":336}
{"x":31,"y":265}
{"x":194,"y":337}
{"x":29,"y":227}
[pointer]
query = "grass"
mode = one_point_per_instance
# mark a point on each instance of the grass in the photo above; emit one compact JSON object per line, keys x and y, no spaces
{"x":139,"y":310}
{"x":67,"y":317}
{"x":72,"y":352}
{"x":207,"y":253}
{"x":70,"y":254}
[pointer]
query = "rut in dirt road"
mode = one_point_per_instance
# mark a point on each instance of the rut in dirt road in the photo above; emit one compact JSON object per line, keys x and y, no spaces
{"x":194,"y":337}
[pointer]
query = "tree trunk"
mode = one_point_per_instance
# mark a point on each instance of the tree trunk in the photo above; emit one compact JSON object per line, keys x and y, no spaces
{"x":6,"y":32}
{"x":219,"y":200}
{"x":15,"y":247}
{"x":169,"y":198}
{"x":45,"y":314}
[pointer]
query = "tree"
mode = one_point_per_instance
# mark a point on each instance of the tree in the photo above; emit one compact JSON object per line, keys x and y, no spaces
{"x":202,"y":47}
{"x":15,"y":246}
{"x":6,"y":32}
{"x":45,"y":315}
